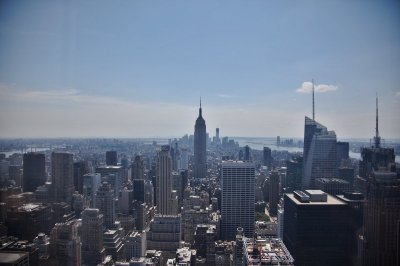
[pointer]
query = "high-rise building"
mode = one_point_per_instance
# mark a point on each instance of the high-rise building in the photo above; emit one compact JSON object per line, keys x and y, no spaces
{"x":342,"y":150}
{"x":80,"y":169}
{"x":138,"y":167}
{"x":294,"y":174}
{"x":164,"y":234}
{"x":164,"y":181}
{"x":135,"y":245}
{"x":317,"y":228}
{"x":382,"y":203}
{"x":65,"y":244}
{"x":34,"y":174}
{"x":111,"y":158}
{"x":267,"y":157}
{"x":200,"y":147}
{"x":91,"y":183}
{"x":105,"y":202}
{"x":247,"y":153}
{"x":238,"y":198}
{"x":320,"y":153}
{"x":92,"y":237}
{"x":273,"y":192}
{"x":62,"y":176}
{"x":333,"y":186}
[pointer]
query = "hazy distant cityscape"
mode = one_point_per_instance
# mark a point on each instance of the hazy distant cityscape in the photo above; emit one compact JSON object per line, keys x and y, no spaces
{"x":190,"y":133}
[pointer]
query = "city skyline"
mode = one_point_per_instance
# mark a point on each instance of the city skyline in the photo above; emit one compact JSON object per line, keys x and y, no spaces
{"x":67,"y":72}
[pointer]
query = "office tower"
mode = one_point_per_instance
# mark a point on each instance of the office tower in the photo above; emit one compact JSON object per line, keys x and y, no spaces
{"x":164,"y":234}
{"x":320,"y":153}
{"x":267,"y":157}
{"x":382,"y":203}
{"x":278,"y":141}
{"x":237,"y":208}
{"x":111,"y":158}
{"x":316,"y":228}
{"x":113,"y":244}
{"x":143,"y":191}
{"x":34,"y":174}
{"x":62,"y":176}
{"x":164,"y":181}
{"x":273,"y":192}
{"x":106,"y":204}
{"x":138,"y":167}
{"x":184,"y":162}
{"x":91,"y":183}
{"x":65,"y":244}
{"x":15,"y":174}
{"x":200,"y":156}
{"x":204,"y":241}
{"x":294,"y":174}
{"x":125,"y":201}
{"x":42,"y":242}
{"x":92,"y":237}
{"x":342,"y":149}
{"x":247,"y":153}
{"x":28,"y":220}
{"x":114,"y":175}
{"x":332,"y":186}
{"x":135,"y":245}
{"x":80,"y":169}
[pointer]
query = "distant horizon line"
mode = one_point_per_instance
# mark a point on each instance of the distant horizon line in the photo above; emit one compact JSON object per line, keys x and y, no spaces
{"x":176,"y":137}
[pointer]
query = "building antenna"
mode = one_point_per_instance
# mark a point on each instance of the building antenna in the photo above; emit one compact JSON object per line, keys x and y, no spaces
{"x":377,"y":139}
{"x":313,"y":103}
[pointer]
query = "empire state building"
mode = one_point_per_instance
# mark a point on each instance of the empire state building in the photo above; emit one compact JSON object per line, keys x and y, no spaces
{"x":200,"y":162}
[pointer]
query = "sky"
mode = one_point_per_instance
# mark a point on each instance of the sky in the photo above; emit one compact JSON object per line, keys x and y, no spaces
{"x":138,"y":68}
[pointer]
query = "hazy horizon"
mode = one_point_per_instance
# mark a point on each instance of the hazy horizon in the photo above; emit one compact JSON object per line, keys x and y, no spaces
{"x":138,"y":68}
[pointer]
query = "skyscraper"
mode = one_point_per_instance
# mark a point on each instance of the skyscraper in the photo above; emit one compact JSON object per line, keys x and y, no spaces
{"x":164,"y":181}
{"x":106,"y":204}
{"x":138,"y":167}
{"x":111,"y":158}
{"x":80,"y":169}
{"x":34,"y":174}
{"x":320,"y":153}
{"x":273,"y":192}
{"x":267,"y":157}
{"x":200,"y":143}
{"x":65,"y":244}
{"x":382,"y":204}
{"x":238,"y":197}
{"x":62,"y":176}
{"x":316,"y":228}
{"x":92,"y":237}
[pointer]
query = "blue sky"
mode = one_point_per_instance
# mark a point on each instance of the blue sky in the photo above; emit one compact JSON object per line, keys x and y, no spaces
{"x":138,"y":68}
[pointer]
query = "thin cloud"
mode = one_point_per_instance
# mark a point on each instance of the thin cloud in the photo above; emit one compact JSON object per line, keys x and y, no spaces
{"x":226,"y":96}
{"x":306,"y":87}
{"x":398,"y":94}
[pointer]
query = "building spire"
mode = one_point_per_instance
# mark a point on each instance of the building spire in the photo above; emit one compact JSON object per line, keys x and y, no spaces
{"x":200,"y":111}
{"x":377,"y":139}
{"x":313,"y":103}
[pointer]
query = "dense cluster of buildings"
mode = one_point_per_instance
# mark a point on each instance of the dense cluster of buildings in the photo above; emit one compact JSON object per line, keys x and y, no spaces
{"x":201,"y":201}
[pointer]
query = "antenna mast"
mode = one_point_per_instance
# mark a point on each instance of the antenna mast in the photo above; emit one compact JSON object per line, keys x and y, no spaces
{"x":377,"y":139}
{"x":313,"y":103}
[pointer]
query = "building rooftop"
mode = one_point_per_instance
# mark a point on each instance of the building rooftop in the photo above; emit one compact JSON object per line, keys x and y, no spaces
{"x":267,"y":251}
{"x":331,"y":180}
{"x":11,"y":257}
{"x":330,"y":200}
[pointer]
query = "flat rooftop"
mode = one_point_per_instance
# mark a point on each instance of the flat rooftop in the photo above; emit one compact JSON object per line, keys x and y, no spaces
{"x":330,"y":200}
{"x":11,"y":257}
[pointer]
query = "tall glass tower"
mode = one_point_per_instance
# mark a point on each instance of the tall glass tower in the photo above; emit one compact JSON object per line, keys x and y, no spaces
{"x":200,"y":140}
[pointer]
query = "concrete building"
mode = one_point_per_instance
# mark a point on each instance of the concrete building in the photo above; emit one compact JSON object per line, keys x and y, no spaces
{"x":138,"y":167}
{"x":333,"y":186}
{"x":91,"y":183}
{"x":164,"y":182}
{"x":317,"y":228}
{"x":165,"y":234}
{"x":266,"y":251}
{"x":200,"y":147}
{"x":65,"y":244}
{"x":62,"y":176}
{"x":135,"y":245}
{"x":113,"y":243}
{"x":34,"y":171}
{"x":274,"y":178}
{"x":111,"y":158}
{"x":105,"y":202}
{"x":28,"y":220}
{"x":92,"y":237}
{"x":238,"y":198}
